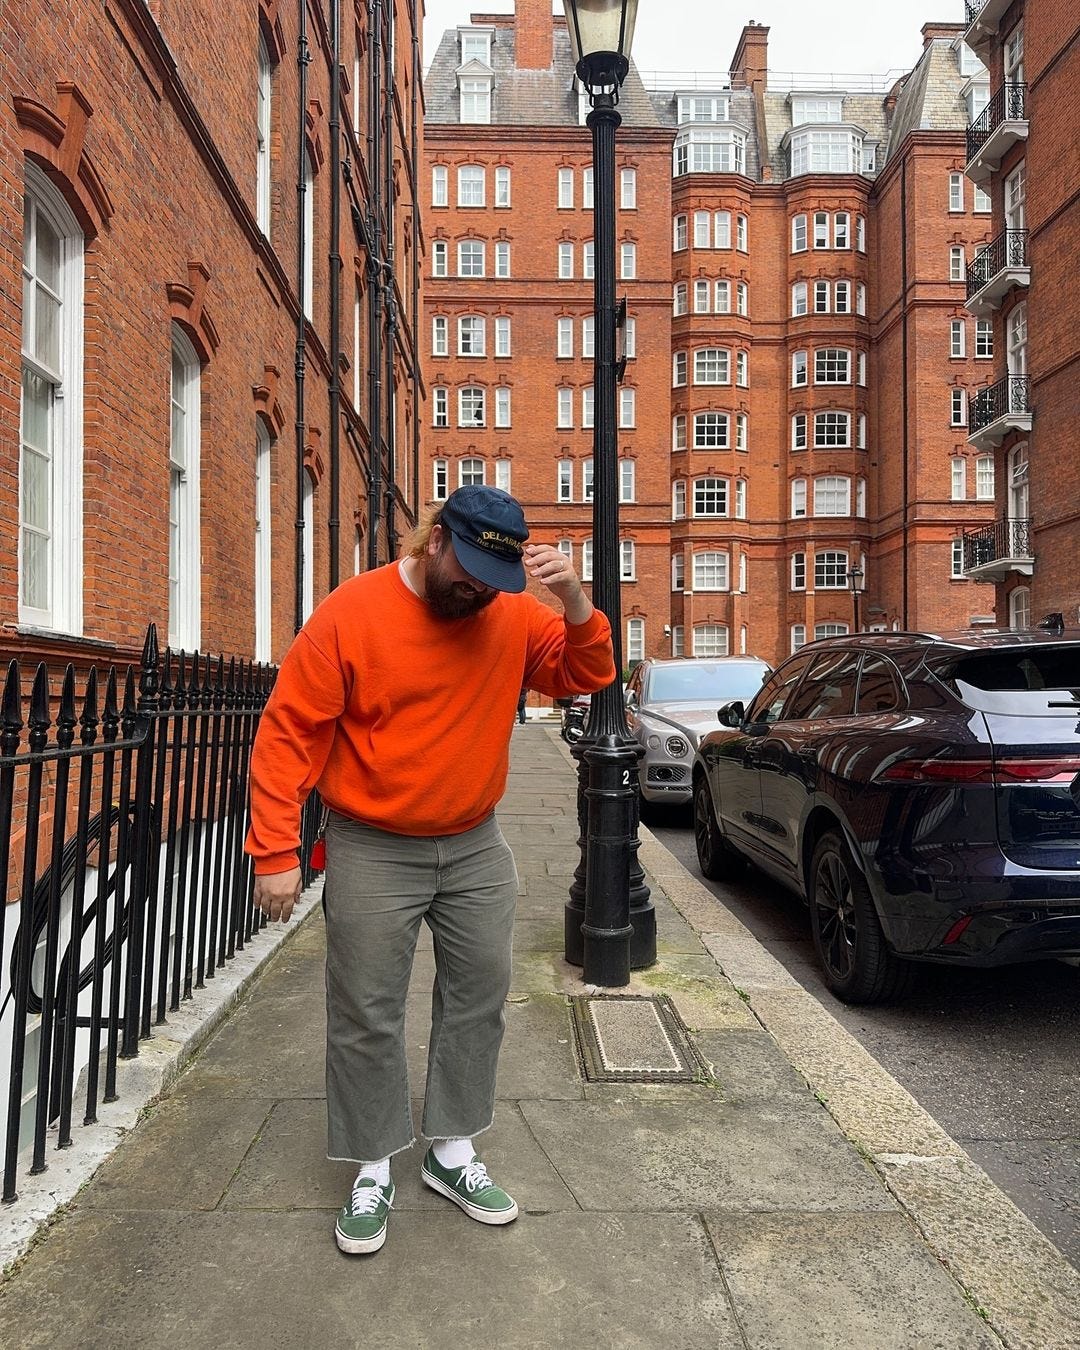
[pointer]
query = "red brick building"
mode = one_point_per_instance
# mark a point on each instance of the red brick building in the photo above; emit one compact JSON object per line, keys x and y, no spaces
{"x":173,"y":443}
{"x":1022,"y":151}
{"x":789,"y":260}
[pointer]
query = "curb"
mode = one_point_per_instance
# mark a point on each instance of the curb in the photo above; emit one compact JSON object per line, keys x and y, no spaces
{"x":139,"y":1081}
{"x":1013,"y":1275}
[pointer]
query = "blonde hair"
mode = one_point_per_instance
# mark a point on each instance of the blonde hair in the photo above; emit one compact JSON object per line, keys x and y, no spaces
{"x":416,"y":542}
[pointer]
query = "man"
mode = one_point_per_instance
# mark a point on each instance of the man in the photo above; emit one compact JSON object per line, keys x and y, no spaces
{"x":397,"y":701}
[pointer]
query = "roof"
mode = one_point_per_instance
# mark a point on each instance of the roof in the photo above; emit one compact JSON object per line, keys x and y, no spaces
{"x":524,"y":97}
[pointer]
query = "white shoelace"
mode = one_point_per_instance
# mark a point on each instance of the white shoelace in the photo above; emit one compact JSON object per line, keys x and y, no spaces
{"x":475,"y":1176}
{"x":367,"y":1199}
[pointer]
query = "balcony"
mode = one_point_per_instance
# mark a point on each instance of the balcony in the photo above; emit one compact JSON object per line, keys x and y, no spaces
{"x":996,"y":269}
{"x":999,"y":410}
{"x":983,"y":18}
{"x":993,"y":551}
{"x":998,"y":127}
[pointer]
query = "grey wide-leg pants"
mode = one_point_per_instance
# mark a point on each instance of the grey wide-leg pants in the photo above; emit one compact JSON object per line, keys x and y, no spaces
{"x":379,"y":886}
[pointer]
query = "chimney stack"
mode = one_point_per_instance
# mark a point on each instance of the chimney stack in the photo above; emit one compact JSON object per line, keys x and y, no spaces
{"x":951,"y":31}
{"x":749,"y":65}
{"x":534,"y":35}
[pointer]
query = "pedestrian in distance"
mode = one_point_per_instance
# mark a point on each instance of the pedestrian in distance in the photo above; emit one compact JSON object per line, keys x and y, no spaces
{"x":521,"y":705}
{"x":396,"y":701}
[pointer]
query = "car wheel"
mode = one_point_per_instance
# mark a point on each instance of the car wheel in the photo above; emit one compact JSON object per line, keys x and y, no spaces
{"x":858,"y":963}
{"x":716,"y":858}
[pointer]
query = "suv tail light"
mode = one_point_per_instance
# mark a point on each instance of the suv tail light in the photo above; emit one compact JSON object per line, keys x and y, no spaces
{"x":951,"y":770}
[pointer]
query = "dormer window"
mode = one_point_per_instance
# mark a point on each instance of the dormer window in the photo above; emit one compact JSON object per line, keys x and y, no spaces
{"x":821,"y":151}
{"x":475,"y":45}
{"x":475,"y":98}
{"x":816,"y":110}
{"x":702,"y":108}
{"x":712,"y":151}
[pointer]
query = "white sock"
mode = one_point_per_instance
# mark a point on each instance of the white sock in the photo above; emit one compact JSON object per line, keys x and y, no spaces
{"x":380,"y":1171}
{"x":453,"y":1152}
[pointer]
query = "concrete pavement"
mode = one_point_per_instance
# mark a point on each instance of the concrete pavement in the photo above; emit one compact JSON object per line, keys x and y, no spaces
{"x":797,"y":1197}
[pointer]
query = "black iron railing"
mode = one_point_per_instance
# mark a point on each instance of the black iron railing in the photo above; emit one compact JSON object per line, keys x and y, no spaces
{"x":1009,"y":104}
{"x":1009,"y":537}
{"x":1009,"y":249}
{"x":133,"y":793}
{"x":1010,"y":395}
{"x":971,"y":10}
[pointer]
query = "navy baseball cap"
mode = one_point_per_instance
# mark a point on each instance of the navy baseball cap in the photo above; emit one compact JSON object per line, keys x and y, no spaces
{"x":487,"y":530}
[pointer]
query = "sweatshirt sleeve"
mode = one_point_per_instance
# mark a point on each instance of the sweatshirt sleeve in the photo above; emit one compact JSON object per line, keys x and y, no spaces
{"x":296,"y":731}
{"x":567,"y":658}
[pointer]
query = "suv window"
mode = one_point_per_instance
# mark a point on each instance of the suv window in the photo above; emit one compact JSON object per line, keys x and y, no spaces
{"x":829,"y":688}
{"x":879,"y":689}
{"x":769,"y":703}
{"x":1021,"y":669}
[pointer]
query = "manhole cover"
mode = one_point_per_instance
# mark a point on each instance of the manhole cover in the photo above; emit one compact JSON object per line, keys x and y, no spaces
{"x":629,"y":1038}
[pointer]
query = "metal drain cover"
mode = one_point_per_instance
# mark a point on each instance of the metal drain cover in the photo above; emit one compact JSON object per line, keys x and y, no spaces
{"x":630,"y":1038}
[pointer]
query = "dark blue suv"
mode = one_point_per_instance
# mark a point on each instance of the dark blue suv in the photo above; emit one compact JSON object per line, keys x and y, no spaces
{"x":921,"y":793}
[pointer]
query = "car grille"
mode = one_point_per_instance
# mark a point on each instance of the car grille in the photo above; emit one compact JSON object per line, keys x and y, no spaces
{"x":666,"y":773}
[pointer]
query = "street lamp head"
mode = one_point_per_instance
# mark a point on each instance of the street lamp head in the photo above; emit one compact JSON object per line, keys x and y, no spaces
{"x":601,"y":32}
{"x":855,"y":576}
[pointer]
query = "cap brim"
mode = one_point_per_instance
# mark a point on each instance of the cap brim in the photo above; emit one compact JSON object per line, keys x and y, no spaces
{"x":501,"y":574}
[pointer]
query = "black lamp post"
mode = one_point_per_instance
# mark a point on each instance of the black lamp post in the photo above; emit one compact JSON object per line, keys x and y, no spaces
{"x":855,"y":576}
{"x":610,"y":924}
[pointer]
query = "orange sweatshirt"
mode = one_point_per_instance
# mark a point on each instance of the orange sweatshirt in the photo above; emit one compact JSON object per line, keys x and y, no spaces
{"x":402,"y":719}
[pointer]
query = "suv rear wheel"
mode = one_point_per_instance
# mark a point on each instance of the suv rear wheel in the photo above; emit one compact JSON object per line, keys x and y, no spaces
{"x":716,"y":858}
{"x":859,"y":966}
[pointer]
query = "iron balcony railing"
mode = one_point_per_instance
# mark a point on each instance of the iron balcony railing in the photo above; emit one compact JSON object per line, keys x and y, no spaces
{"x":1009,"y":537}
{"x":1010,"y":395}
{"x":124,"y":849}
{"x":1009,"y":104}
{"x":971,"y":10}
{"x":1009,"y":249}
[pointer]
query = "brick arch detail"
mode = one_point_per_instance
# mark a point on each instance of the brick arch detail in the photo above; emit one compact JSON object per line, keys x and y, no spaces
{"x":314,"y":121}
{"x":272,"y":32}
{"x":187,"y":307}
{"x":267,"y":405}
{"x":313,"y":457}
{"x":56,"y":141}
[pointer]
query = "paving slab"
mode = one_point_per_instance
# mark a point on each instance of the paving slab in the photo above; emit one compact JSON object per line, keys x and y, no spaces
{"x":240,"y":1280}
{"x":708,"y":1154}
{"x":860,"y":1280}
{"x":163,"y":1166}
{"x":287,"y":1168}
{"x":750,"y":1067}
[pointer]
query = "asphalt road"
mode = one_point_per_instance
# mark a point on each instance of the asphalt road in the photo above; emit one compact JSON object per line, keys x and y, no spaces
{"x":993,"y":1055}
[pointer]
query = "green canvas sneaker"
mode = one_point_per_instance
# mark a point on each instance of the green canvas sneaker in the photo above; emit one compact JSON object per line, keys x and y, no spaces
{"x":470,"y":1188}
{"x":361,"y":1225}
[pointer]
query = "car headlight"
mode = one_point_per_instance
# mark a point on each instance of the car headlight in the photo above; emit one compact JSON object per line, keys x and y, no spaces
{"x":676,"y":747}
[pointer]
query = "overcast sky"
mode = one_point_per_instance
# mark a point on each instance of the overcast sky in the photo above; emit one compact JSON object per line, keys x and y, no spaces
{"x":841,"y":36}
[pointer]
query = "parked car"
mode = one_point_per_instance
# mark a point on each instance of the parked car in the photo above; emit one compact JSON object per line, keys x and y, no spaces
{"x":921,"y":793}
{"x":670,"y":704}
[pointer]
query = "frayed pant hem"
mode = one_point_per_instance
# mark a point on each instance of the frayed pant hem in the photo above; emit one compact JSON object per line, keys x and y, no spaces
{"x":461,"y":1134}
{"x":339,"y":1157}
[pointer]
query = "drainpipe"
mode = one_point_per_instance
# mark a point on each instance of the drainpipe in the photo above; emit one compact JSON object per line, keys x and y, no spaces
{"x":303,"y":58}
{"x":904,"y":385}
{"x":414,"y":150}
{"x":390,"y":494}
{"x":375,"y":291}
{"x":335,"y":290}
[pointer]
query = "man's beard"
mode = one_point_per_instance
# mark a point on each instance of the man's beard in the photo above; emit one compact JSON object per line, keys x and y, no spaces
{"x":451,"y":599}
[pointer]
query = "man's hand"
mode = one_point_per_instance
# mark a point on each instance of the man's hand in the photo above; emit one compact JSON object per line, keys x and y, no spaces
{"x":277,"y":894}
{"x":555,"y":571}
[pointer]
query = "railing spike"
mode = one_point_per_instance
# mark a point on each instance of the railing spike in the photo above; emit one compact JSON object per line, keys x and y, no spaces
{"x":110,"y":717}
{"x":11,"y":721}
{"x":66,"y":717}
{"x":131,"y":704}
{"x":89,"y":719}
{"x":39,"y":719}
{"x":148,"y":674}
{"x":219,"y":682}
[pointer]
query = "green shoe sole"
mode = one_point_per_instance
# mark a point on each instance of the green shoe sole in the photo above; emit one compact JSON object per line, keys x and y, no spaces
{"x":477,"y":1212}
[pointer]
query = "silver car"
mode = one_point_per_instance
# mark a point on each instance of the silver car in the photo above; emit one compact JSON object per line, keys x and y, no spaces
{"x":671,"y":704}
